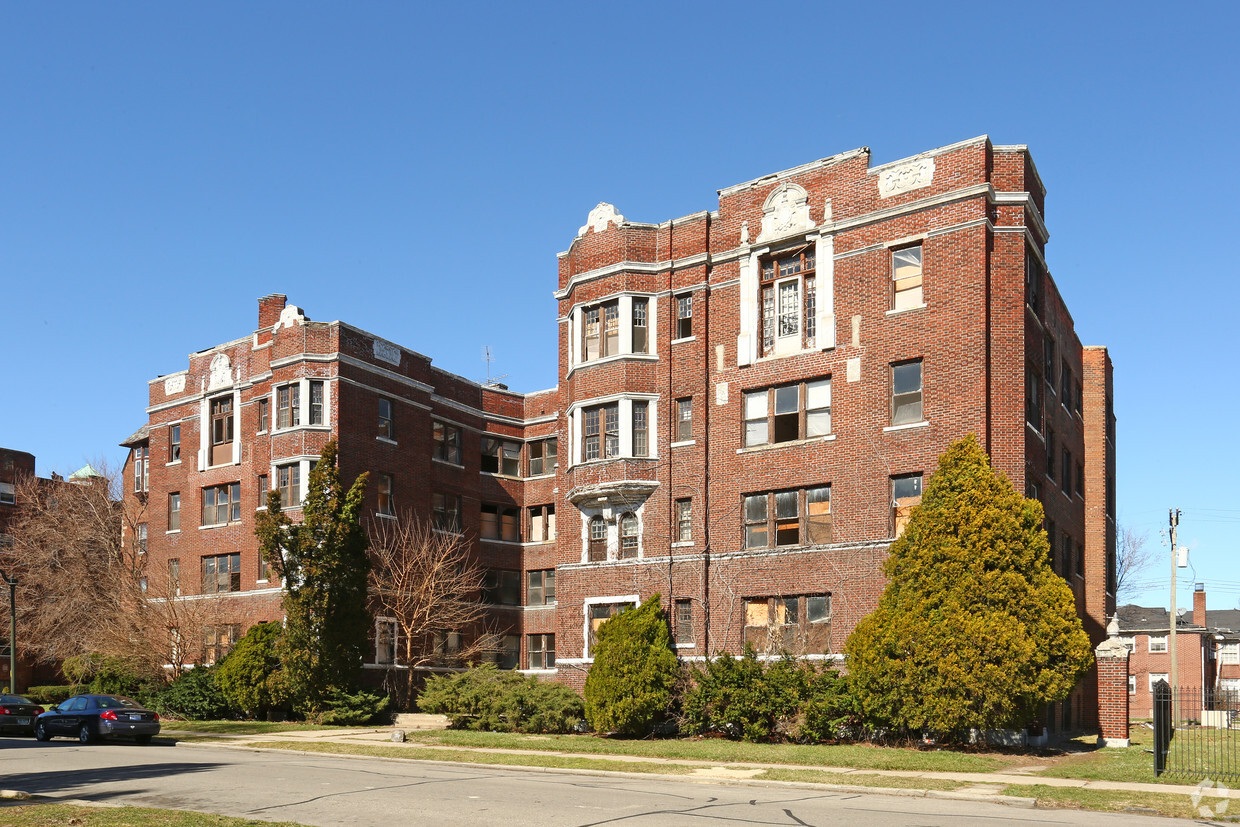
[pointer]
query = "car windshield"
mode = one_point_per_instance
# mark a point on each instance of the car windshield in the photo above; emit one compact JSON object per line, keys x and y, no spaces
{"x":114,"y":702}
{"x":13,"y":699}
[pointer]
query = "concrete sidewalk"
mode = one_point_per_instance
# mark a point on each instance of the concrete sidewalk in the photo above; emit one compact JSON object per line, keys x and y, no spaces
{"x":983,"y":785}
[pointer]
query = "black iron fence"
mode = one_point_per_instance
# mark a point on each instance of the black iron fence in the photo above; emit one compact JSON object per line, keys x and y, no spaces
{"x":1196,"y":733}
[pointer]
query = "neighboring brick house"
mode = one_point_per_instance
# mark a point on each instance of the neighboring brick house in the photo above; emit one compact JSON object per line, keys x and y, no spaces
{"x":749,"y":400}
{"x":1207,"y":650}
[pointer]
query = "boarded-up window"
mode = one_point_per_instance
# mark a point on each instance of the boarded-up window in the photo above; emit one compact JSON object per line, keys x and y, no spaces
{"x":818,"y":518}
{"x":798,"y":624}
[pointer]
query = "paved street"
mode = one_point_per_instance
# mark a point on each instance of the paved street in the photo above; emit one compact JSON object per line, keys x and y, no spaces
{"x":322,"y":790}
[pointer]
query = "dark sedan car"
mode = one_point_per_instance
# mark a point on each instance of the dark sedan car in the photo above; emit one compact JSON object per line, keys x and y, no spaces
{"x":90,"y":717}
{"x":17,"y":715}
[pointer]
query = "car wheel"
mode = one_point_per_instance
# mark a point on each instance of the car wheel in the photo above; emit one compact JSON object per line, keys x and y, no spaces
{"x":142,"y":739}
{"x":41,"y":733}
{"x":85,"y":735}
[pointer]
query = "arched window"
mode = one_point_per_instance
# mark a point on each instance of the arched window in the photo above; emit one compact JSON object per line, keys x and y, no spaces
{"x":598,"y":538}
{"x":628,"y":534}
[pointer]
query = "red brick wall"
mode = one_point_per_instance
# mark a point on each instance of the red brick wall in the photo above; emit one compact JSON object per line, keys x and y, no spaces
{"x":1113,"y":697}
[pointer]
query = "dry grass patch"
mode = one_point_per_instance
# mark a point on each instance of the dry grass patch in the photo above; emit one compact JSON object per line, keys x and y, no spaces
{"x":75,"y":815}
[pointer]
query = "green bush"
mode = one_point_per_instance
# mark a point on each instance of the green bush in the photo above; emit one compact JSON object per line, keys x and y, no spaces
{"x":195,"y":694}
{"x":488,"y":699}
{"x":354,"y":709}
{"x":787,"y":699}
{"x":50,"y":695}
{"x":630,"y":686}
{"x":112,"y":675}
{"x":251,"y":677}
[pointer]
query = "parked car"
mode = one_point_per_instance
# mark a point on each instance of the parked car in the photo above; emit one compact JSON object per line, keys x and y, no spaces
{"x":90,"y":717}
{"x":17,"y":715}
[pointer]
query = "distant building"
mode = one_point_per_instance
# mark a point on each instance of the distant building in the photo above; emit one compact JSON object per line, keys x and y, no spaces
{"x":1207,"y":651}
{"x":749,"y":402}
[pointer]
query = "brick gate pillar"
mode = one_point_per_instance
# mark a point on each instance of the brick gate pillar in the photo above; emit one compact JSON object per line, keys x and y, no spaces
{"x":1112,"y":658}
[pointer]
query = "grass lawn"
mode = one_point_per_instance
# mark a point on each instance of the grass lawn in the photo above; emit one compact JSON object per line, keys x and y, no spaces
{"x":1133,"y":763}
{"x":859,"y":756}
{"x":1174,"y":805}
{"x":64,"y":815}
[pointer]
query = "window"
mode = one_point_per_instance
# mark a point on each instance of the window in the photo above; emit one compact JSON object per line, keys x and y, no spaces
{"x":221,"y":430}
{"x":446,"y":512}
{"x":1048,"y":361}
{"x":1065,"y":471}
{"x":684,"y":316}
{"x":1065,"y":385}
{"x":139,"y":538}
{"x":289,"y":478}
{"x":447,"y":442}
{"x":542,"y":651}
{"x":641,"y":343}
{"x":386,"y":632}
{"x":386,"y":504}
{"x":787,"y":300}
{"x":1158,"y":643}
{"x":798,"y":624}
{"x":501,"y":523}
{"x":218,"y":641}
{"x":1080,"y":480}
{"x":543,"y":457}
{"x":602,"y":431}
{"x":542,"y":523}
{"x":798,"y":517}
{"x":1229,"y":689}
{"x":262,"y":491}
{"x":221,"y":504}
{"x":1033,"y":282}
{"x":684,"y":521}
{"x":905,"y":493}
{"x":174,"y":511}
{"x":1033,"y":399}
{"x":174,"y":576}
{"x":386,"y":428}
{"x":447,"y":646}
{"x":600,"y":613}
{"x":499,"y":456}
{"x":1130,"y":643}
{"x":628,"y":534}
{"x":288,"y":406}
{"x":501,"y":587}
{"x":641,"y":430}
{"x":316,"y":402}
{"x":598,"y":539}
{"x":7,"y":495}
{"x":174,"y":443}
{"x":1132,"y":684}
{"x":1155,"y":677}
{"x":6,"y":542}
{"x":906,"y":278}
{"x":683,"y":622}
{"x":906,"y":393}
{"x":264,"y":412}
{"x":684,"y":419}
{"x":221,"y":573}
{"x":541,"y":587}
{"x":141,"y":468}
{"x":788,"y":413}
{"x":1229,"y":653}
{"x":1050,"y":453}
{"x":1076,"y":399}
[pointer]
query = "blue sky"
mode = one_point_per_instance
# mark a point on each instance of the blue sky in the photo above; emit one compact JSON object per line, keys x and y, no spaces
{"x":414,"y":168}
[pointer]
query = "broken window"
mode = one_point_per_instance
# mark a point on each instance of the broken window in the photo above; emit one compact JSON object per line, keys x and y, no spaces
{"x":905,"y":494}
{"x":788,"y":412}
{"x":798,"y":624}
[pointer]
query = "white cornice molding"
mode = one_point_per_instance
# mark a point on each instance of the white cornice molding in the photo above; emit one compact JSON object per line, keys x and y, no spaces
{"x":788,"y":173}
{"x":353,"y":361}
{"x":641,"y":267}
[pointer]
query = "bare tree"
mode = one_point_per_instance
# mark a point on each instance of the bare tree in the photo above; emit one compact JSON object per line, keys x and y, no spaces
{"x":1132,"y":560}
{"x":79,"y":555}
{"x":428,"y":583}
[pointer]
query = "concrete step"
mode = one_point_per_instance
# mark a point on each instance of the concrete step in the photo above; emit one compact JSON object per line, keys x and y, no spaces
{"x":419,"y":720}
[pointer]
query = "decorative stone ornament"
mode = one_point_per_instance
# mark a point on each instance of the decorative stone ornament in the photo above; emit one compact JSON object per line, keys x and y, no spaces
{"x":290,"y":316}
{"x":786,"y":211}
{"x":386,"y":352}
{"x":904,"y":177}
{"x":221,"y":371}
{"x":174,"y":384}
{"x":600,"y":218}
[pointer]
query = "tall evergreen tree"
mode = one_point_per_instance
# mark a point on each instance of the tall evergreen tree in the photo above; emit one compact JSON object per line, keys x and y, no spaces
{"x":630,"y":684}
{"x":974,"y":629}
{"x":325,"y":566}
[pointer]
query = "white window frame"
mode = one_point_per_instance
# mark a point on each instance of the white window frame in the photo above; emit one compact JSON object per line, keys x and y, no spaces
{"x":632,"y":600}
{"x":394,"y":628}
{"x":1160,"y":640}
{"x":8,"y":494}
{"x":1132,"y":684}
{"x":576,"y":425}
{"x":1229,"y":653}
{"x":624,"y":348}
{"x":1155,"y":677}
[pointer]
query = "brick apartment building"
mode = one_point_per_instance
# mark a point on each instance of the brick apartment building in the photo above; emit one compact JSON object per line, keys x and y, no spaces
{"x":1207,"y":650}
{"x":748,"y":402}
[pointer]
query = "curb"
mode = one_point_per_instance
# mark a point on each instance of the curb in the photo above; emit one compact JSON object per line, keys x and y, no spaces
{"x":902,"y":792}
{"x":16,"y":795}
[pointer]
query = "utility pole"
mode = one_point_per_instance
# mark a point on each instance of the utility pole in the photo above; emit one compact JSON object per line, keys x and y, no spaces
{"x":12,"y":581}
{"x":1175,"y":521}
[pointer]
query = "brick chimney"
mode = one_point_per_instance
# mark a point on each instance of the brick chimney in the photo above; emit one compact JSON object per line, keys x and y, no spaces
{"x":269,"y":308}
{"x":1199,"y":605}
